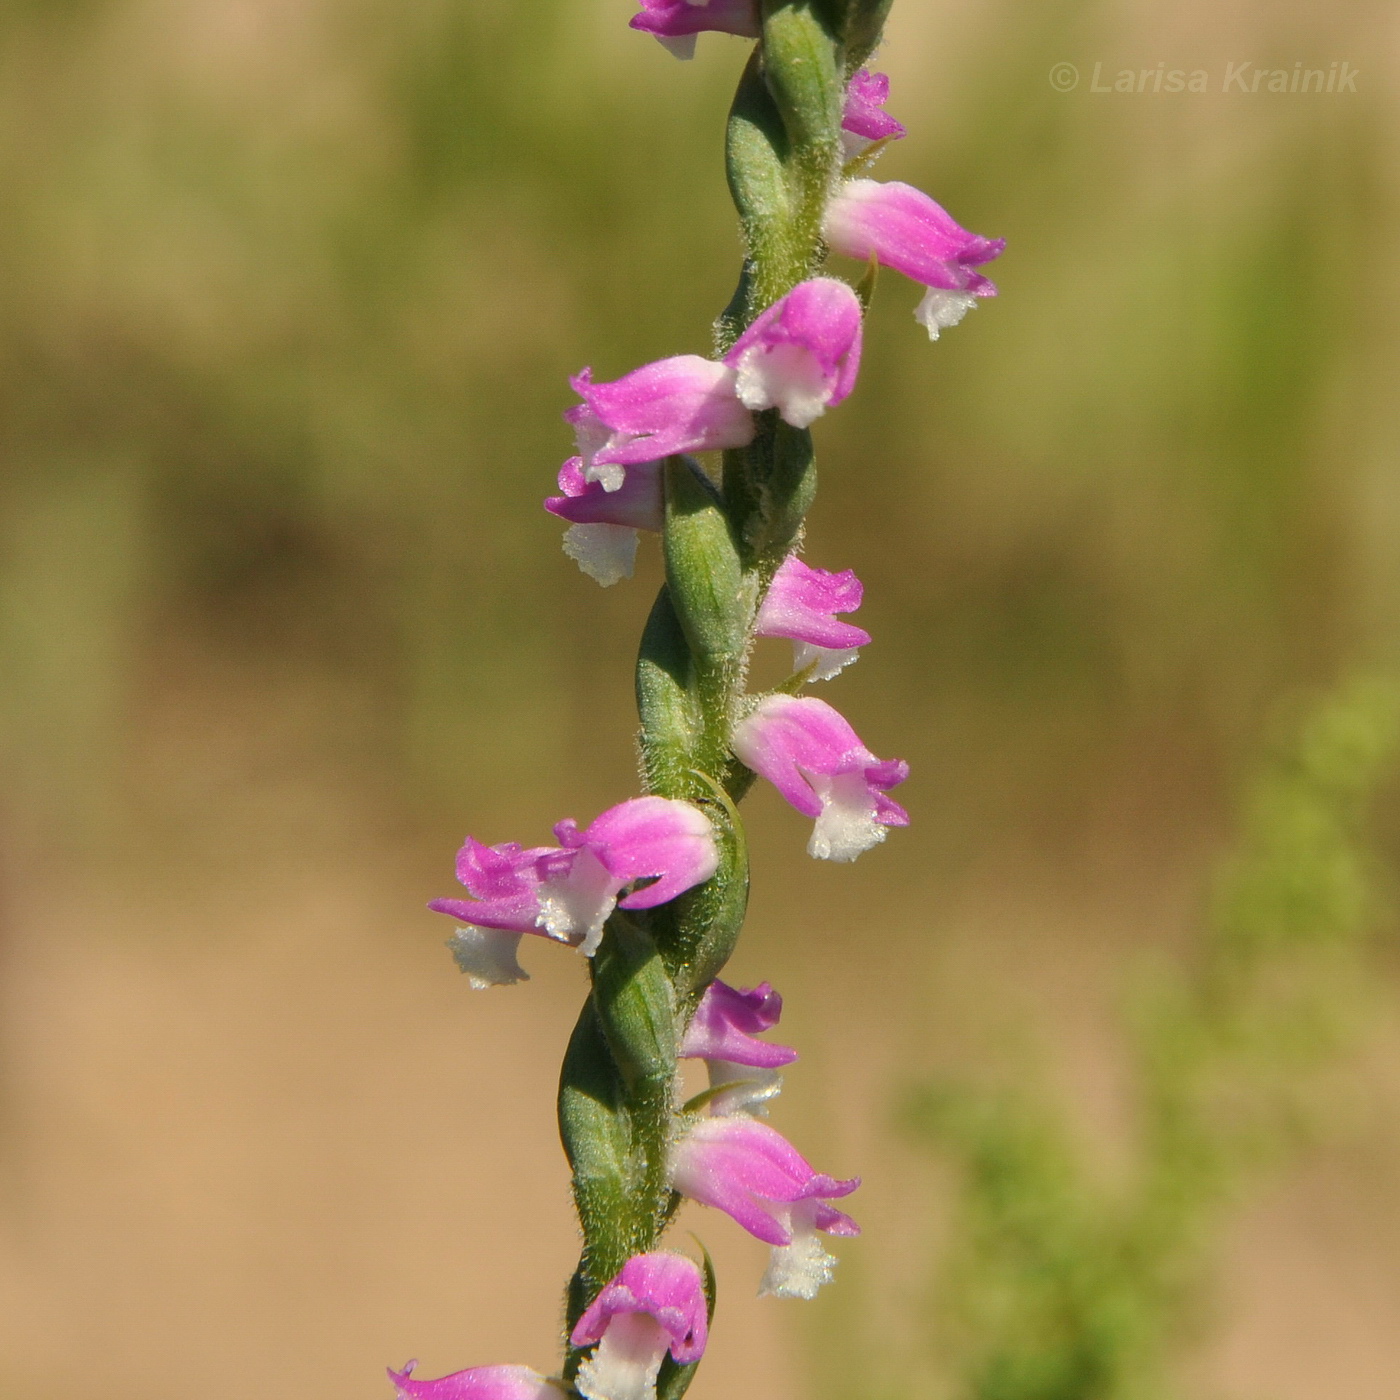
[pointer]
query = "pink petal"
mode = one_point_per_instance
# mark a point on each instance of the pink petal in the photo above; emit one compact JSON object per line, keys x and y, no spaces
{"x":478,"y":1383}
{"x":801,"y":603}
{"x":668,"y":1287}
{"x":727,"y":1022}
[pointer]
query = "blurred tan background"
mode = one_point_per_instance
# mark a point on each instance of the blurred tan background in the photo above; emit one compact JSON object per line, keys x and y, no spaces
{"x":289,"y":291}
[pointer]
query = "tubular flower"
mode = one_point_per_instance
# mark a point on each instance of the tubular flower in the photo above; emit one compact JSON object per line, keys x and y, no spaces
{"x":566,"y":892}
{"x":478,"y":1383}
{"x":602,"y":536}
{"x":817,"y":761}
{"x":864,"y":120}
{"x":801,"y":604}
{"x":753,"y":1174}
{"x":676,"y":22}
{"x":683,"y":404}
{"x":904,"y":229}
{"x":723,"y":1032}
{"x":655,"y":1304}
{"x":801,"y":355}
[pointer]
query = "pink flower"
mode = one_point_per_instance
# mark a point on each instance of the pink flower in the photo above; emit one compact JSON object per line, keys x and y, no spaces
{"x":683,"y":404}
{"x":753,"y":1174}
{"x":801,"y":355}
{"x":655,"y":1304}
{"x":723,"y":1032}
{"x":817,"y":761}
{"x":904,"y":229}
{"x":864,"y":119}
{"x":676,"y":22}
{"x":478,"y":1383}
{"x":801,"y":604}
{"x":602,"y":537}
{"x":566,"y":892}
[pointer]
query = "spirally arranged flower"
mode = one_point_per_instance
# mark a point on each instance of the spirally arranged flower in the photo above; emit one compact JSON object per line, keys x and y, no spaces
{"x":864,"y":119}
{"x":478,"y":1383}
{"x":656,"y":1304}
{"x":801,"y":604}
{"x":676,"y":22}
{"x":566,"y":892}
{"x":758,"y":1178}
{"x":724,"y":1033}
{"x":809,"y":752}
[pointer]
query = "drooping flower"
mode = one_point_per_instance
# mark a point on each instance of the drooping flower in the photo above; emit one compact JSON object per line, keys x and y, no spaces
{"x":801,"y":604}
{"x":864,"y":119}
{"x":801,"y":355}
{"x":753,"y":1174}
{"x":724,"y":1033}
{"x":478,"y":1383}
{"x":676,"y":22}
{"x":566,"y":892}
{"x":903,"y":228}
{"x":681,"y":404}
{"x":655,"y":1304}
{"x":602,"y":537}
{"x":809,"y":752}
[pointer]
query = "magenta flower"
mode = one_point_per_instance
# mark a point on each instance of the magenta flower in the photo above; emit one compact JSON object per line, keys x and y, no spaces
{"x":817,"y":761}
{"x":478,"y":1383}
{"x":723,"y":1032}
{"x":904,"y":229}
{"x":801,"y":604}
{"x":676,"y":22}
{"x":655,"y":1304}
{"x":801,"y":355}
{"x":864,"y":119}
{"x":566,"y":892}
{"x":753,"y":1174}
{"x":683,"y":404}
{"x":602,"y":537}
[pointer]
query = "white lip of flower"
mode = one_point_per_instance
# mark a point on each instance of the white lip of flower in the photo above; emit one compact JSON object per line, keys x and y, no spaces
{"x":746,"y":1088}
{"x":799,"y":1269}
{"x":627,"y":1361}
{"x":826,"y":662}
{"x":606,"y":553}
{"x":847,"y":824}
{"x":786,"y":377}
{"x":487,"y":956}
{"x":941,"y":309}
{"x":575,"y":908}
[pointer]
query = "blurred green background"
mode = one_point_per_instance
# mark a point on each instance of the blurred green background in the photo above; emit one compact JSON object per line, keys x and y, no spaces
{"x":289,"y":291}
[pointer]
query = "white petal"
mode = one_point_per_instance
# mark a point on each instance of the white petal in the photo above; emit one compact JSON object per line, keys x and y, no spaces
{"x":786,"y":377}
{"x":682,"y":45}
{"x":830,"y":661}
{"x":608,"y":473}
{"x":751,"y":1089}
{"x":607,"y":553}
{"x":487,"y":956}
{"x":627,"y":1361}
{"x":799,"y":1269}
{"x":847,"y":825}
{"x":941,"y":309}
{"x":575,"y":907}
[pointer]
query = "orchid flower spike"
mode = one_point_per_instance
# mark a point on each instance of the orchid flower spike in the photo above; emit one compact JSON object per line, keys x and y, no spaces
{"x":682,"y":404}
{"x":816,"y":760}
{"x":753,"y":1174}
{"x":602,"y":537}
{"x":904,"y":229}
{"x":655,"y":1304}
{"x":864,"y":120}
{"x":724,"y":1033}
{"x":801,"y":604}
{"x":478,"y":1383}
{"x":676,"y":22}
{"x":566,"y":892}
{"x":801,"y":355}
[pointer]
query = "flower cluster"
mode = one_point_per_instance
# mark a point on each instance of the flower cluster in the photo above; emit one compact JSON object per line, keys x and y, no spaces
{"x":797,"y":358}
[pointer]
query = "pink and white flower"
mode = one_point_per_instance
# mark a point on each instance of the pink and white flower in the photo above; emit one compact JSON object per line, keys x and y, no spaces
{"x":801,"y":604}
{"x":655,"y":1304}
{"x":602,"y":535}
{"x":724,"y":1033}
{"x":681,"y":404}
{"x":676,"y":22}
{"x":903,"y":228}
{"x":801,"y":355}
{"x":809,"y":752}
{"x":864,"y":120}
{"x":567,"y":892}
{"x":478,"y":1383}
{"x":753,"y":1174}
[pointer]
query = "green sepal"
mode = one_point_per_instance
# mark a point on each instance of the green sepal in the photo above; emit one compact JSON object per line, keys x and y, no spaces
{"x":666,"y":702}
{"x":673,"y":1380}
